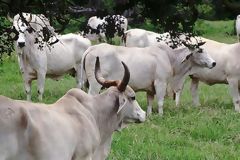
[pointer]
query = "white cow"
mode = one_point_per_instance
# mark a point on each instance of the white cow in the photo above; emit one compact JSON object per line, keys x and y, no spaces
{"x":76,"y":127}
{"x":99,"y":26}
{"x":52,"y":61}
{"x":238,"y":27}
{"x":143,"y":38}
{"x":227,"y":70}
{"x":151,"y":68}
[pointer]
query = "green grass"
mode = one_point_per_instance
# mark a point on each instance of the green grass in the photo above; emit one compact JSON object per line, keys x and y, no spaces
{"x":222,"y":31}
{"x":211,"y":131}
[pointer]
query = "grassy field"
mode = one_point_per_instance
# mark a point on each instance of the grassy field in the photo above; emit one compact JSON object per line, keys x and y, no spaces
{"x":211,"y":131}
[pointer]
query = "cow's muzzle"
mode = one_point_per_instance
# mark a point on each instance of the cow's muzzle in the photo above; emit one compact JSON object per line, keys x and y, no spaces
{"x":213,"y":65}
{"x":21,"y":44}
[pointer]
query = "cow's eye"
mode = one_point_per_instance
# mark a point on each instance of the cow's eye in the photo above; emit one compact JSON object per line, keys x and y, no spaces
{"x":30,"y":30}
{"x":133,"y":98}
{"x":200,"y":50}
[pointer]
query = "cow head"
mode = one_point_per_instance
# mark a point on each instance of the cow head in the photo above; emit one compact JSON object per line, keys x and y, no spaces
{"x":199,"y":56}
{"x":21,"y":24}
{"x":128,"y":108}
{"x":32,"y":28}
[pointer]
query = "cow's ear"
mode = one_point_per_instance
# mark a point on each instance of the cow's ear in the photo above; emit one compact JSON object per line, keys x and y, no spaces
{"x":187,"y":57}
{"x":122,"y":102}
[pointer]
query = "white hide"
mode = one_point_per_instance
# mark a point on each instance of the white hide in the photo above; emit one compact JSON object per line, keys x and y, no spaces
{"x":94,"y":23}
{"x":227,"y":70}
{"x":143,"y":38}
{"x":151,"y":68}
{"x":238,"y":27}
{"x":51,"y":60}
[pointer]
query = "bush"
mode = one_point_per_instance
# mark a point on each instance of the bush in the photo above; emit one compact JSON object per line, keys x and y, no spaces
{"x":206,"y":11}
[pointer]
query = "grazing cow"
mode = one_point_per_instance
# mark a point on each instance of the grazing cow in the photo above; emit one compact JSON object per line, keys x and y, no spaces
{"x":76,"y":127}
{"x":98,"y":27}
{"x":151,"y":68}
{"x":37,"y":62}
{"x":227,"y":70}
{"x":143,"y":38}
{"x":238,"y":27}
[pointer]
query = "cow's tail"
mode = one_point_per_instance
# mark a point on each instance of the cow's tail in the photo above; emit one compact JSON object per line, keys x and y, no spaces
{"x":83,"y":76}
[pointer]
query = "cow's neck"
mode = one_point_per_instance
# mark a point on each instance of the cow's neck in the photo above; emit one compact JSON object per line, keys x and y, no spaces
{"x":180,"y":70}
{"x":106,"y":114}
{"x":100,"y":109}
{"x":181,"y":73}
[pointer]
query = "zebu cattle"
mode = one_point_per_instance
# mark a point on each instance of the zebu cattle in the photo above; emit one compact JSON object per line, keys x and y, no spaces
{"x":143,"y":38}
{"x":238,"y":27}
{"x":37,"y":62}
{"x":97,"y":27}
{"x":76,"y":127}
{"x":151,"y":68}
{"x":227,"y":70}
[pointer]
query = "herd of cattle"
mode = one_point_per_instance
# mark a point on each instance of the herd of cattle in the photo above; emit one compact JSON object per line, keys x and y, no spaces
{"x":79,"y":126}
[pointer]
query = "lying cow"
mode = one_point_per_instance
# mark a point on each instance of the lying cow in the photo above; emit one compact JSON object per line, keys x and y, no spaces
{"x":51,"y":61}
{"x":77,"y":126}
{"x":97,"y":27}
{"x":238,"y":27}
{"x":151,"y":68}
{"x":226,"y":71}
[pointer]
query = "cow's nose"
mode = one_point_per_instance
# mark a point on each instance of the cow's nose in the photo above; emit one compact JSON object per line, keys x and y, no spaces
{"x":21,"y":44}
{"x":214,"y":64}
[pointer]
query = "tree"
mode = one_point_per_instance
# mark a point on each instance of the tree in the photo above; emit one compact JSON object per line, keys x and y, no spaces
{"x":174,"y":16}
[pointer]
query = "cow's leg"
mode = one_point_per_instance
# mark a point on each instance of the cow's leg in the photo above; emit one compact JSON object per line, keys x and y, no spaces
{"x":150,"y":98}
{"x":177,"y":97}
{"x":103,"y":150}
{"x":40,"y":84}
{"x":233,"y":87}
{"x":160,"y":88}
{"x":78,"y":77}
{"x":170,"y":93}
{"x":194,"y":91}
{"x":27,"y":86}
{"x":20,"y":62}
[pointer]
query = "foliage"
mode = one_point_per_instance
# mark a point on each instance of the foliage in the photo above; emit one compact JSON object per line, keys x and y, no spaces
{"x":206,"y":11}
{"x":5,"y":46}
{"x":174,"y":16}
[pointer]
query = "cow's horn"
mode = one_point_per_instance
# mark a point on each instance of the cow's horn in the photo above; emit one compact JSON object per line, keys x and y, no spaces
{"x":30,"y":18}
{"x":201,"y":43}
{"x":122,"y":86}
{"x":100,"y":79}
{"x":9,"y":17}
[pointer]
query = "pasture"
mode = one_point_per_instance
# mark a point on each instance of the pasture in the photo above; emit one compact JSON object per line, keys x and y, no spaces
{"x":211,"y":131}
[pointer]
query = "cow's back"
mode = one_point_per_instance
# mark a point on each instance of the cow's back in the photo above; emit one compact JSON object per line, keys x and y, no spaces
{"x":136,"y":38}
{"x":145,"y":64}
{"x":66,"y":54}
{"x":30,"y":131}
{"x":226,"y":57}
